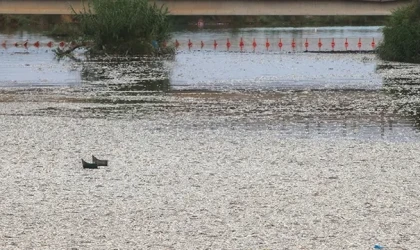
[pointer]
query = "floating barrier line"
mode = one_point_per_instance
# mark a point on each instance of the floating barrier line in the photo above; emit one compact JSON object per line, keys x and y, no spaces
{"x":291,"y":43}
{"x":37,"y":44}
{"x":288,"y":44}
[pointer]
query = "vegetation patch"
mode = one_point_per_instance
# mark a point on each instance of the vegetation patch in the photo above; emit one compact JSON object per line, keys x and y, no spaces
{"x":129,"y":27}
{"x":401,"y":40}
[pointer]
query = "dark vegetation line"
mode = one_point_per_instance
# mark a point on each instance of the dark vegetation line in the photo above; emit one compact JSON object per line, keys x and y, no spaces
{"x":182,"y":22}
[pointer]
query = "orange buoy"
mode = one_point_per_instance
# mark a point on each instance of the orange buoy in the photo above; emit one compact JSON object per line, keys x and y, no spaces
{"x":215,"y":44}
{"x":36,"y":44}
{"x":333,"y":44}
{"x":359,"y":44}
{"x":306,"y":44}
{"x":319,"y":44}
{"x":241,"y":44}
{"x":267,"y":44}
{"x":280,"y":44}
{"x":293,"y":44}
{"x":346,"y":44}
{"x":228,"y":44}
{"x":373,"y":43}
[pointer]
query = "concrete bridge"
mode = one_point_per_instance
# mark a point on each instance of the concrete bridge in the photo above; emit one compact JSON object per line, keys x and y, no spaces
{"x":224,"y":7}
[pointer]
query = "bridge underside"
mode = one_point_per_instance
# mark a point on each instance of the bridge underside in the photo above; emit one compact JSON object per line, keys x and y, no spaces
{"x":219,"y":7}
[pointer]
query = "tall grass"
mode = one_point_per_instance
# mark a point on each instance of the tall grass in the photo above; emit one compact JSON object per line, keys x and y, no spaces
{"x":401,"y":40}
{"x":124,"y":26}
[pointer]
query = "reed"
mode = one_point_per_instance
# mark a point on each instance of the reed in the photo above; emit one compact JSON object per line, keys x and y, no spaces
{"x":401,"y":35}
{"x":124,"y":26}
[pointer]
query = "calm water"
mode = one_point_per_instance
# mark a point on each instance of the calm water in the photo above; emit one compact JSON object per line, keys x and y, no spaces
{"x":302,"y":94}
{"x":22,"y":66}
{"x":287,"y":35}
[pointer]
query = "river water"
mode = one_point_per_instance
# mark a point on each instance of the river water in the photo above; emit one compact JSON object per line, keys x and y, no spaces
{"x":259,"y":147}
{"x":304,"y":94}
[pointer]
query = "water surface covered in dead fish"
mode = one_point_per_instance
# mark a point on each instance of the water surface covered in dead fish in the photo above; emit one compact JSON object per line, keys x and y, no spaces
{"x":209,"y":150}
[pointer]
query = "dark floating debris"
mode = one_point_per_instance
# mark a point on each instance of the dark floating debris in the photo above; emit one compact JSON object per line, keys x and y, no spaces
{"x":89,"y":165}
{"x":99,"y":162}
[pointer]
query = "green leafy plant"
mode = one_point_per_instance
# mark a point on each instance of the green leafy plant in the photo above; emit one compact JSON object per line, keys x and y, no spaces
{"x":402,"y":35}
{"x":124,"y":26}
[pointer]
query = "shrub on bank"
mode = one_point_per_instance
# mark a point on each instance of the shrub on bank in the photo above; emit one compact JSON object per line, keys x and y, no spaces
{"x":124,"y":26}
{"x":401,"y":36}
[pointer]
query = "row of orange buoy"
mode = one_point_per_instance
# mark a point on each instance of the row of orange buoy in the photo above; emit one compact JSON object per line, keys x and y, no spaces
{"x":280,"y":44}
{"x":177,"y":44}
{"x":36,"y":44}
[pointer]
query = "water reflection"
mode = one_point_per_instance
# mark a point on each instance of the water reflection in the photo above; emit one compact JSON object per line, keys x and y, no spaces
{"x":161,"y":85}
{"x":128,"y":74}
{"x":33,"y":66}
{"x":230,"y":71}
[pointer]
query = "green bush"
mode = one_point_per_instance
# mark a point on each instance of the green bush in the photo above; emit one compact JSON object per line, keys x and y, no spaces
{"x":401,"y":40}
{"x":124,"y":26}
